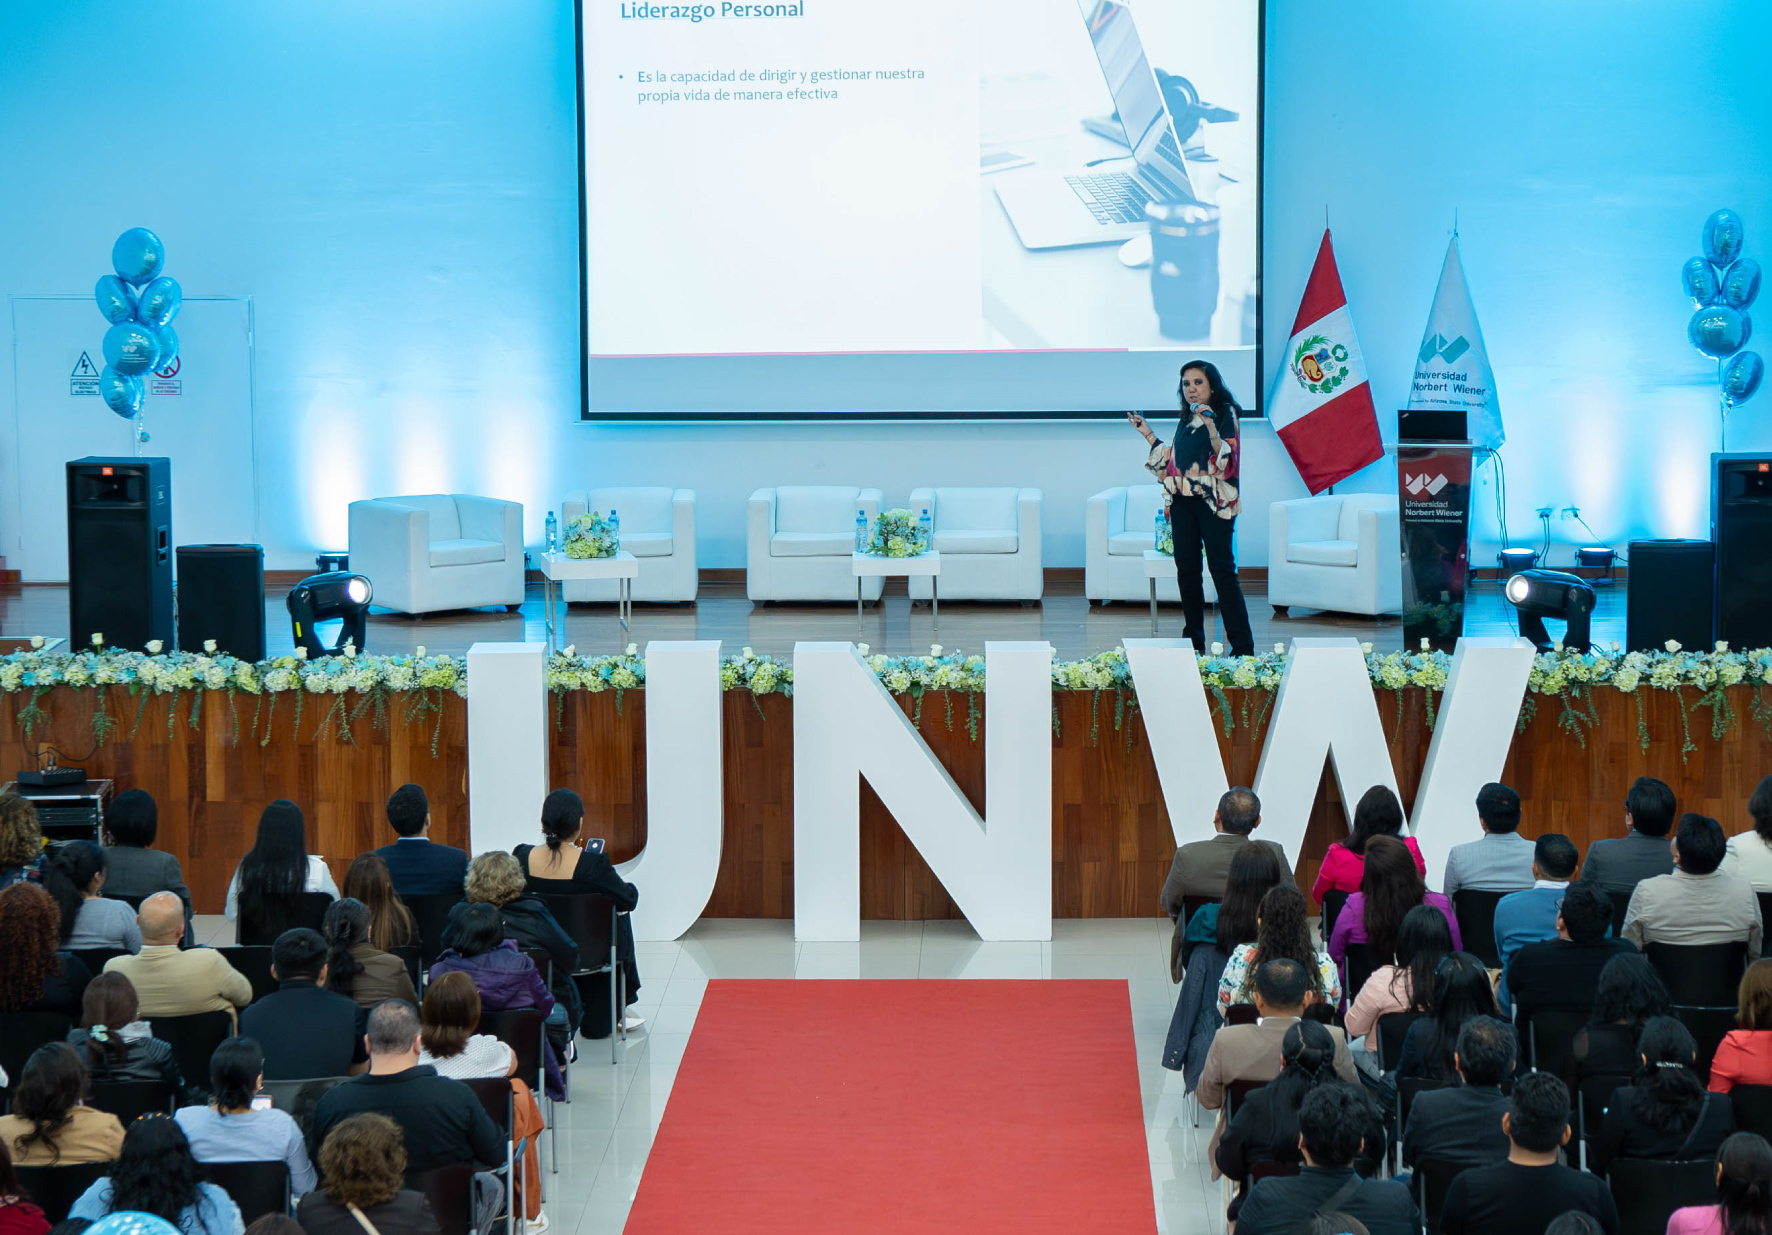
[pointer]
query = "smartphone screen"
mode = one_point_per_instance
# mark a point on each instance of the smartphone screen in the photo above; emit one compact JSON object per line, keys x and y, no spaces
{"x":262,"y":1102}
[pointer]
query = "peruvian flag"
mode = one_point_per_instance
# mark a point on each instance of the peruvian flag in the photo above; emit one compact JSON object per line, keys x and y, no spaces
{"x":1321,"y":403}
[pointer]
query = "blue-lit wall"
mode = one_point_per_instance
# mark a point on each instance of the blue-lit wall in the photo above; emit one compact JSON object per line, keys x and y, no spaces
{"x":394,"y":182}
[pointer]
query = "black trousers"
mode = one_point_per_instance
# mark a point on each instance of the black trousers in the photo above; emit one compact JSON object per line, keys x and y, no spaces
{"x":1195,"y":527}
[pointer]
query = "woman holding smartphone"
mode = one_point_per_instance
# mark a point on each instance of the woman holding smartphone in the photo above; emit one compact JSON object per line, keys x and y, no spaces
{"x":1198,"y":472}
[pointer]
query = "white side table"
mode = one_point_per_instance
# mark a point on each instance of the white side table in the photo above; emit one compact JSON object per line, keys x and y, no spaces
{"x":871,"y":565}
{"x":556,"y":566}
{"x":1156,"y":566}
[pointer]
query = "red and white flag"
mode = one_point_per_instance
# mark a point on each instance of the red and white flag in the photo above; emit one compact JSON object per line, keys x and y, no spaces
{"x":1321,"y":403}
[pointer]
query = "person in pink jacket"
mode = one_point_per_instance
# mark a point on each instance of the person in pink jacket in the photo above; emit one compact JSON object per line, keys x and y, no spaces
{"x":1378,"y":814}
{"x":1744,"y":1192}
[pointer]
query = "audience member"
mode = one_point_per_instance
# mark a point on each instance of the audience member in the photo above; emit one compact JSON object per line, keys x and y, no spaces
{"x":1283,"y":987}
{"x":1202,"y":868}
{"x":1630,"y":995}
{"x":1389,"y":888}
{"x":264,"y":896}
{"x":390,"y":922}
{"x":272,"y":1224}
{"x":1620,"y":864}
{"x":1575,"y":1222}
{"x":1462,"y":1123}
{"x":21,"y":842}
{"x":75,"y":877}
{"x":1698,"y":903}
{"x":562,"y":868}
{"x":1750,"y":852}
{"x":1744,"y":1192}
{"x":1405,"y":985}
{"x":365,"y":1163}
{"x":495,"y":879}
{"x":1254,"y":870}
{"x":174,"y":981}
{"x":115,"y":1043}
{"x":504,"y":976}
{"x":1461,"y":991}
{"x":417,"y":864}
{"x":1333,"y":1126}
{"x":156,"y":1174}
{"x":230,"y":1130}
{"x":1667,"y":1114}
{"x":1563,"y":974}
{"x":1378,"y":813}
{"x":1502,"y":860}
{"x":18,"y":1216}
{"x":1744,"y":1056}
{"x":355,"y":967}
{"x":132,"y":821}
{"x":1531,"y":1188}
{"x":35,"y":974}
{"x":1282,"y":929}
{"x":305,"y":1029}
{"x":50,"y":1123}
{"x":1531,"y":916}
{"x":442,"y":1121}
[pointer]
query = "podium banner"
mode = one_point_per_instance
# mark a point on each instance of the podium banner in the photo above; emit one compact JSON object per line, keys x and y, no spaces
{"x":1434,"y":488}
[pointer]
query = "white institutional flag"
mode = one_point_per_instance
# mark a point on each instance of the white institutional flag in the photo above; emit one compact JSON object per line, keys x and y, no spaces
{"x":1452,"y":367}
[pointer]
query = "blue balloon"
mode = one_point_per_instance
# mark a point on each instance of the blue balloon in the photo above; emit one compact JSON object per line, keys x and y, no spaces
{"x":130,"y":348}
{"x":1716,"y":330}
{"x":1741,"y":376}
{"x":137,"y":256}
{"x":121,"y":394}
{"x":1699,"y":280}
{"x":159,"y":302}
{"x":1724,"y":234}
{"x":115,"y":300}
{"x":132,"y":1222}
{"x":167,"y":352}
{"x":1741,"y":283}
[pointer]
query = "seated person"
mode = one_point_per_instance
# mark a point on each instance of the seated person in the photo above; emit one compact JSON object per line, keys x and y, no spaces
{"x":391,"y":923}
{"x":1744,"y":1057}
{"x":1744,"y":1191}
{"x":495,"y":878}
{"x":1201,"y":868}
{"x":18,"y":1216}
{"x":22,"y":857}
{"x":1563,"y":974}
{"x":76,"y":878}
{"x":116,"y":1043}
{"x":1531,"y":916}
{"x":1530,"y":1189}
{"x":442,"y":1121}
{"x":230,"y":1130}
{"x":1282,"y":930}
{"x":174,"y":981}
{"x":1462,"y":1124}
{"x":304,"y":1029}
{"x":1620,"y":864}
{"x":364,"y":1158}
{"x":264,"y":895}
{"x":504,"y":976}
{"x":1389,"y":889}
{"x":355,"y":967}
{"x":1461,"y":991}
{"x":418,"y":865}
{"x":1750,"y":852}
{"x":1667,"y":1114}
{"x":50,"y":1123}
{"x":1378,"y":813}
{"x":35,"y":974}
{"x":1333,"y":1124}
{"x":1698,"y":903}
{"x":1502,"y":860}
{"x":132,"y":821}
{"x":1283,"y":988}
{"x":1629,"y":996}
{"x":156,"y":1174}
{"x":1423,"y":941}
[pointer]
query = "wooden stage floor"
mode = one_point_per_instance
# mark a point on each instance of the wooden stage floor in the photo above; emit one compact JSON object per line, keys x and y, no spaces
{"x":1064,"y":618}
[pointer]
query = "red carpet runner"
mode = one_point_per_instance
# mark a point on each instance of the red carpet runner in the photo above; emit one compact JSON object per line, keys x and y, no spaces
{"x":951,"y":1106}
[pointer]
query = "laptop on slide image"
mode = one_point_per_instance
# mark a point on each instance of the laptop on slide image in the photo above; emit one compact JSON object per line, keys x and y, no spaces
{"x":1053,"y":210}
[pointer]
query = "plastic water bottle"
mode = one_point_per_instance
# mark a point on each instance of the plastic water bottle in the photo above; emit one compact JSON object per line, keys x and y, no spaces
{"x":1157,"y":540}
{"x":615,"y":528}
{"x":553,"y":539}
{"x":861,"y":531}
{"x":927,"y":528}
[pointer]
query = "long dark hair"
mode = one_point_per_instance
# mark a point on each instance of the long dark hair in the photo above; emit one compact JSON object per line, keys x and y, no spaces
{"x":273,"y":872}
{"x":9,"y":1184}
{"x":1667,"y":1092}
{"x":1744,"y":1189}
{"x":234,"y":1068}
{"x":1377,"y":814}
{"x":108,"y":1004}
{"x":1222,"y":402}
{"x":156,"y":1172}
{"x":562,"y":815}
{"x":72,"y":868}
{"x":1254,"y":869}
{"x":1391,"y":887}
{"x":1423,"y":941}
{"x":1461,"y":991}
{"x":1308,"y":1053}
{"x":1285,"y":931}
{"x":54,"y":1083}
{"x":1759,"y":806}
{"x":1630,"y":992}
{"x":346,"y":925}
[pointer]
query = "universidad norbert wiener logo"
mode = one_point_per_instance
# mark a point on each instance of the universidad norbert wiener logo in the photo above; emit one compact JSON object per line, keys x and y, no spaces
{"x":1320,"y":364}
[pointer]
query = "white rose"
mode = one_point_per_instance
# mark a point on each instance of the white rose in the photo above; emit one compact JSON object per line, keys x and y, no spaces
{"x":37,"y":641}
{"x":301,"y":653}
{"x":1722,"y":645}
{"x":419,"y":651}
{"x":1366,"y":649}
{"x":935,"y":649}
{"x":747,"y":653}
{"x":633,"y":649}
{"x":154,"y":646}
{"x":862,"y":648}
{"x":98,"y":640}
{"x":1279,"y":649}
{"x":570,"y":649}
{"x":1217,"y":648}
{"x":209,"y":646}
{"x":1672,"y":645}
{"x":1426,"y":646}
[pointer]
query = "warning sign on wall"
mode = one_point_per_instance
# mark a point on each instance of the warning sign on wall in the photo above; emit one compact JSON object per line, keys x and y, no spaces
{"x":84,"y":379}
{"x":167,"y":381}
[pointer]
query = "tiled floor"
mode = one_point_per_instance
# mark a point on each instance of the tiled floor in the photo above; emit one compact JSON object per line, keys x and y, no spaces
{"x":607,"y":1130}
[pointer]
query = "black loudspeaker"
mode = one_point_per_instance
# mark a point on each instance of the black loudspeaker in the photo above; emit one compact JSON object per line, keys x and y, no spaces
{"x":1670,"y":594}
{"x":120,"y":552}
{"x":221,"y":596}
{"x":1741,"y":525}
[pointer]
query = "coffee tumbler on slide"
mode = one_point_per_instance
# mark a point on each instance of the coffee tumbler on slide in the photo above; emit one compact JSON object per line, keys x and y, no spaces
{"x":1184,"y":267}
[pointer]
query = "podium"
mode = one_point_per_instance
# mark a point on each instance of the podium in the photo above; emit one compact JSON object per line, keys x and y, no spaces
{"x":1434,"y":499}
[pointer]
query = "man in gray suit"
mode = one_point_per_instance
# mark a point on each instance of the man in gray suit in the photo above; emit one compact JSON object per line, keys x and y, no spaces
{"x":1698,"y":904}
{"x":1202,"y":867}
{"x":1620,"y":864}
{"x":1502,"y":860}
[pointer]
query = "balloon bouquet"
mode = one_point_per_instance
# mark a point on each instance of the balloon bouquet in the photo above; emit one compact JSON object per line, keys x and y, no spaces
{"x":140,"y":304}
{"x":1723,"y":284}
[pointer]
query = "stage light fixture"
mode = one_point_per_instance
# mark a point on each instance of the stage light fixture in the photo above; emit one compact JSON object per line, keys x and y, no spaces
{"x":1597,"y":557}
{"x":1513,"y":561}
{"x":320,"y":598}
{"x":1538,"y":594}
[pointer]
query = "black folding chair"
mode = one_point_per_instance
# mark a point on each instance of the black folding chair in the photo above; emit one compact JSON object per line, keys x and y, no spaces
{"x":258,"y":1188}
{"x":297,"y":1099}
{"x":498,"y":1098}
{"x":95,"y":959}
{"x":1700,"y":975}
{"x":1549,"y":1035}
{"x":1476,"y":923}
{"x":1647,"y":1192}
{"x":450,"y":1190}
{"x":1620,"y":907}
{"x":310,"y":911}
{"x":193,"y":1040}
{"x":253,"y":964}
{"x":134,"y":902}
{"x":409,"y":956}
{"x":1393,"y":1027}
{"x":1753,"y":1108}
{"x":1241,"y":1014}
{"x":1708,"y":1025}
{"x":430,"y":915}
{"x":56,"y":1188}
{"x":1359,"y":965}
{"x":1432,"y":1180}
{"x":589,"y":920}
{"x":1190,"y":905}
{"x":525,"y":1031}
{"x":21,"y":1033}
{"x":1406,"y":1091}
{"x":130,"y":1100}
{"x":1591,"y":1097}
{"x":1332,"y":904}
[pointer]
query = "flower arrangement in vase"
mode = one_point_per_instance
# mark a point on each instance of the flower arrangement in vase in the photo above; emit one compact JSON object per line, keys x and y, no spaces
{"x":896,"y":534}
{"x":591,"y":536}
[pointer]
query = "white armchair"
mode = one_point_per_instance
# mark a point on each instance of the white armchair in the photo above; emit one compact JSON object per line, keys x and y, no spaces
{"x":799,"y":539}
{"x":439,"y":551}
{"x":657,"y":527}
{"x":1340,"y":552}
{"x":989,"y":541}
{"x":1120,"y":524}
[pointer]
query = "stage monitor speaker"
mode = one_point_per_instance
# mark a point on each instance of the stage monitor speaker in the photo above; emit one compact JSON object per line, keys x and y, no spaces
{"x":1670,"y":594}
{"x":1741,"y":525}
{"x":221,"y":596}
{"x":120,"y":552}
